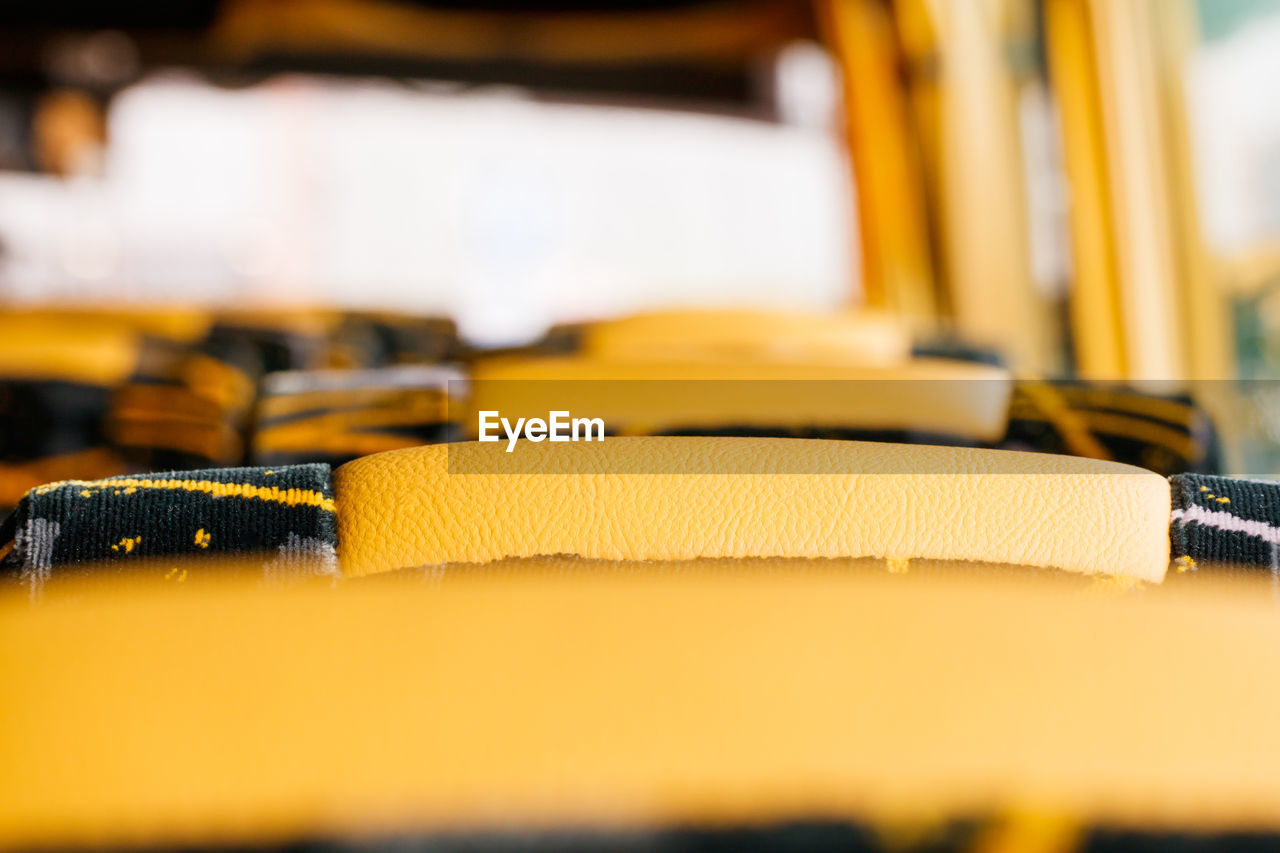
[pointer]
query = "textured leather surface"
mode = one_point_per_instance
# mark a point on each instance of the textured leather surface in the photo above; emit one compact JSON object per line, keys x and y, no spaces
{"x":139,"y":713}
{"x":405,"y":508}
{"x":935,"y":396}
{"x":563,"y":566}
{"x":846,"y":337}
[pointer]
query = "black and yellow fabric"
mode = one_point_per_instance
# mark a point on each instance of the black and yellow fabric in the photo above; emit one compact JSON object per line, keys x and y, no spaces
{"x":334,"y":416}
{"x":40,"y":419}
{"x":57,"y":375}
{"x":954,"y":348}
{"x":192,"y":407}
{"x":1166,"y":433}
{"x":1226,"y":522}
{"x":378,"y":340}
{"x":262,"y":342}
{"x":161,"y":425}
{"x":189,"y":408}
{"x":286,"y":515}
{"x":52,"y":430}
{"x":20,"y":476}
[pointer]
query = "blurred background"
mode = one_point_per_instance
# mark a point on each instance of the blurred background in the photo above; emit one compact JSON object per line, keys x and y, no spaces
{"x":1091,"y":187}
{"x":1083,"y":189}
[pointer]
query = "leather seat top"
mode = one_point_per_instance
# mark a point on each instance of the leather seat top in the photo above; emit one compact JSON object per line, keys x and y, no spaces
{"x":935,"y":396}
{"x":849,"y":337}
{"x":685,"y":498}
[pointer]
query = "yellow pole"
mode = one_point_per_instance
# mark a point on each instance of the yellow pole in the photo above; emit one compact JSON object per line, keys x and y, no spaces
{"x":1151,"y":315}
{"x":983,"y":203}
{"x":898,"y":270}
{"x":1095,"y":299}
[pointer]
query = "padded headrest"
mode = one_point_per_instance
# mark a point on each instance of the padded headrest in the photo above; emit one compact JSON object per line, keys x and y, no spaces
{"x":684,"y":498}
{"x":936,"y":396}
{"x":840,"y":338}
